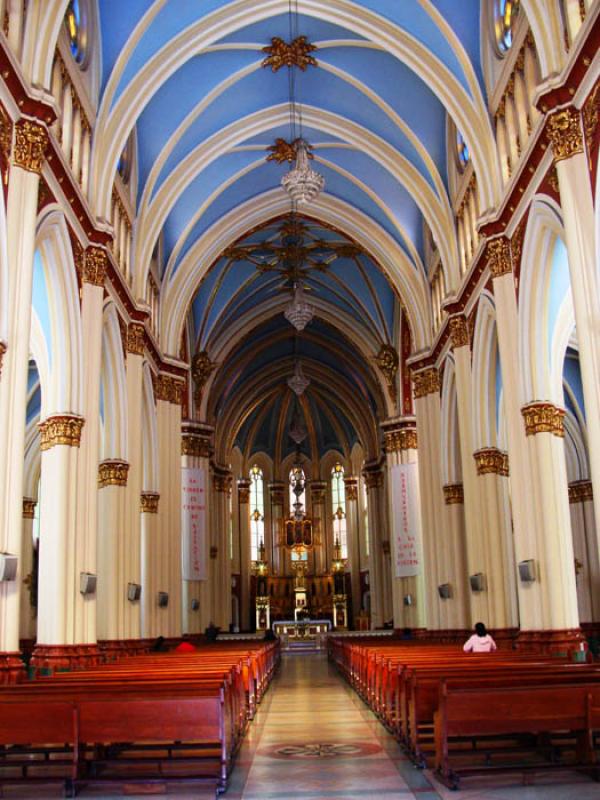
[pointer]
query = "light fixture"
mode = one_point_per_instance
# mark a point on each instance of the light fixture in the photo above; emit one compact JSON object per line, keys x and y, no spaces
{"x":299,"y":312}
{"x":297,"y":431}
{"x":298,"y":383}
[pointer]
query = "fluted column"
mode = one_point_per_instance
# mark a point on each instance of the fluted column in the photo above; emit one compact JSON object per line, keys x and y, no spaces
{"x":577,"y":206}
{"x":26,"y":613}
{"x":58,"y":584}
{"x":220,"y":575}
{"x":428,"y":414}
{"x":31,"y":141}
{"x":275,"y":550}
{"x":195,"y":454}
{"x":456,"y":614}
{"x":381,"y":606}
{"x":324,"y":552}
{"x":243,"y":494}
{"x":352,"y":533}
{"x":150,"y":567}
{"x":401,"y":448}
{"x":587,"y":566}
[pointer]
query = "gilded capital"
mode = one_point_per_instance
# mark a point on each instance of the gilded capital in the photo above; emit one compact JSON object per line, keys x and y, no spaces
{"x":459,"y":331}
{"x":426,"y":382}
{"x":454,"y":494}
{"x":29,"y":505}
{"x":243,"y":486}
{"x":317,"y":491}
{"x":31,"y":143}
{"x":277,"y":493}
{"x":195,"y":445}
{"x":491,"y":461}
{"x":202,"y":368}
{"x":543,"y":418}
{"x":94,"y":264}
{"x":351,"y":488}
{"x":387,"y":360}
{"x":399,"y":439}
{"x":581,"y":492}
{"x":112,"y":472}
{"x":168,"y":389}
{"x":373,"y":478}
{"x":222,"y":482}
{"x":2,"y":351}
{"x":565,"y":134}
{"x":499,"y":257}
{"x":136,"y":338}
{"x":62,"y":429}
{"x":149,"y":502}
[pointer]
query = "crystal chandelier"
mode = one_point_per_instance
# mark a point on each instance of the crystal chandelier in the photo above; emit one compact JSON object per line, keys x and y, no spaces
{"x":297,"y":431}
{"x":298,"y":383}
{"x":299,"y":312}
{"x":302,"y":183}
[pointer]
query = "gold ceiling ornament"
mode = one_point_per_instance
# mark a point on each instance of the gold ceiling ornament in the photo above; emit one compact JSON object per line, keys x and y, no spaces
{"x":195,"y":445}
{"x":351,"y":488}
{"x":31,"y":143}
{"x":2,"y":352}
{"x":6,"y":136}
{"x":94,"y":264}
{"x":387,"y":360}
{"x":590,"y":120}
{"x":459,"y":331}
{"x":61,"y":429}
{"x":286,"y":151}
{"x":499,"y":258}
{"x":491,"y":461}
{"x":564,"y":133}
{"x":581,"y":492}
{"x":149,"y":502}
{"x":112,"y":472}
{"x":29,"y":505}
{"x":296,"y":54}
{"x":454,"y":494}
{"x":202,"y":369}
{"x":136,"y":335}
{"x":168,"y":389}
{"x":543,"y":418}
{"x":426,"y":382}
{"x":398,"y":439}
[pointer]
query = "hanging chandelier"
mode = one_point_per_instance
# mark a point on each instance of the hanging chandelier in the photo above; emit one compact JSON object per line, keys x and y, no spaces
{"x":299,"y":312}
{"x":298,"y":383}
{"x":302,"y":183}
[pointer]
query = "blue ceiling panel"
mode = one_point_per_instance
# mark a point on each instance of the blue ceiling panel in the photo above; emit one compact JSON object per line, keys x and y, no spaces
{"x":314,"y":29}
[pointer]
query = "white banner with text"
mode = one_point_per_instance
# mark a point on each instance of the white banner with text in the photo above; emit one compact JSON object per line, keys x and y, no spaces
{"x":194,"y":524}
{"x":406,"y":520}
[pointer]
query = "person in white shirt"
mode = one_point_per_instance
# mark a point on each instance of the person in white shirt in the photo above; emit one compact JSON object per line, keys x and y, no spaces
{"x":480,"y":642}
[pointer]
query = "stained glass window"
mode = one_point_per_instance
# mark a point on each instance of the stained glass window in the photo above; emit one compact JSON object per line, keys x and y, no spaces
{"x":257,"y":511}
{"x":76,"y":22}
{"x":505,"y":17}
{"x":462,"y":152}
{"x":338,"y":502}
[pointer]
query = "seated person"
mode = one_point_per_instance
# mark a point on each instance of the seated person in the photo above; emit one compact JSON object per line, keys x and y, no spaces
{"x":185,"y":646}
{"x":480,"y":642}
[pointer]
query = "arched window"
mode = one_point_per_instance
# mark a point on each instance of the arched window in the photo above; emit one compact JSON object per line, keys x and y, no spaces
{"x":462,"y":152}
{"x":257,"y":511}
{"x":505,"y":17}
{"x":125,"y":160}
{"x":338,"y":503}
{"x":77,"y":22}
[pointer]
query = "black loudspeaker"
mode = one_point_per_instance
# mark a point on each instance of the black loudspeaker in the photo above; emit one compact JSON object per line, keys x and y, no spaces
{"x":408,"y":599}
{"x":8,"y":567}
{"x":444,"y":591}
{"x":476,"y":582}
{"x":163,"y":599}
{"x":195,"y":604}
{"x":134,"y":591}
{"x":87,"y":583}
{"x":527,"y":570}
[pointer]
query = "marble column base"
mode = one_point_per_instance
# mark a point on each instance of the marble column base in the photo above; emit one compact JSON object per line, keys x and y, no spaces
{"x":12,"y":669}
{"x":549,"y":642}
{"x":52,"y":657}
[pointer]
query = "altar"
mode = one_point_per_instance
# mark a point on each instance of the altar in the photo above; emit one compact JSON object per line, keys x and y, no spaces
{"x":302,"y":635}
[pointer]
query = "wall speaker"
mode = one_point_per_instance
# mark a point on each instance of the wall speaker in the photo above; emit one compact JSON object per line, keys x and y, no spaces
{"x":163,"y":599}
{"x":444,"y":591}
{"x":134,"y":591}
{"x":527,"y":570}
{"x":476,"y":582}
{"x":87,"y":583}
{"x":408,"y":599}
{"x":8,"y":567}
{"x":195,"y":604}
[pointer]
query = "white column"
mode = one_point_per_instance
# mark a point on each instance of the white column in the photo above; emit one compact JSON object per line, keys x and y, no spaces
{"x":30,"y":145}
{"x":378,"y":561}
{"x":277,"y":551}
{"x":247,"y":616}
{"x":219,"y":548}
{"x":587,"y":566}
{"x":318,"y":506}
{"x":149,"y":502}
{"x":459,"y":612}
{"x":352,"y":533}
{"x":26,"y":612}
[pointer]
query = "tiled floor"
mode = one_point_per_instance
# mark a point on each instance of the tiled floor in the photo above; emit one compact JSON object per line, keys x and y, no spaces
{"x":314,"y":738}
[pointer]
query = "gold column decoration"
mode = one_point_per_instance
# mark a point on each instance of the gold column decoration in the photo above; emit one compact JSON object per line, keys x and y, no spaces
{"x":94,"y":263}
{"x":459,"y":331}
{"x":581,"y":492}
{"x":564,"y":133}
{"x":202,"y":368}
{"x":222,"y":481}
{"x":136,"y":334}
{"x":31,"y":143}
{"x":400,"y":439}
{"x":296,"y":54}
{"x":6,"y":137}
{"x":277,"y":492}
{"x":387,"y":360}
{"x":491,"y":461}
{"x":499,"y":257}
{"x":243,"y":490}
{"x":61,"y":429}
{"x":29,"y":505}
{"x":591,"y":115}
{"x":543,"y":418}
{"x":149,"y":502}
{"x":112,"y":472}
{"x":454,"y":494}
{"x":373,"y":478}
{"x":351,"y":488}
{"x":195,"y":445}
{"x":168,"y":388}
{"x":426,"y":382}
{"x":317,"y":491}
{"x":2,"y":351}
